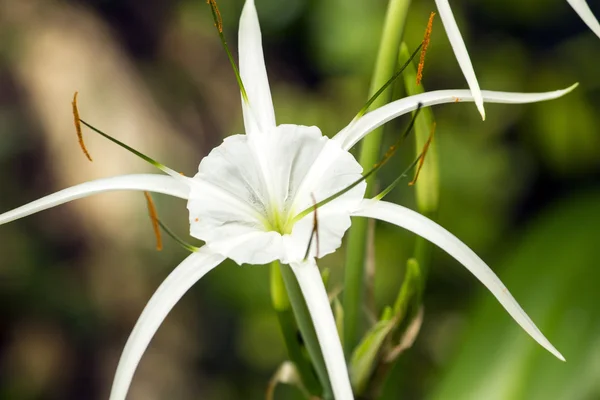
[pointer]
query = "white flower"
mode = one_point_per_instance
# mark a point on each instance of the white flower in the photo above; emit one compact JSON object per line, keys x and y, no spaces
{"x":245,"y":200}
{"x":460,"y":50}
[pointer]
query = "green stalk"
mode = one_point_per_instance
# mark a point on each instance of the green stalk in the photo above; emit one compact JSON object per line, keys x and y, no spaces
{"x":355,"y":257}
{"x":427,"y":188}
{"x":292,"y":295}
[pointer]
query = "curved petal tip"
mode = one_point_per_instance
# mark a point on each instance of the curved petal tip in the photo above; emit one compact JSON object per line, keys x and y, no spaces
{"x":481,"y":109}
{"x":585,"y":13}
{"x":570,"y":88}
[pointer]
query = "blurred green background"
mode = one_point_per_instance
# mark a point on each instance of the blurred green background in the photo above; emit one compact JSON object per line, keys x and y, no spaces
{"x":521,"y":189}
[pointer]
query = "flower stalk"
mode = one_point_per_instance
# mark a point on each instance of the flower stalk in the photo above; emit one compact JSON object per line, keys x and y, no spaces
{"x":393,"y":30}
{"x":427,"y":187}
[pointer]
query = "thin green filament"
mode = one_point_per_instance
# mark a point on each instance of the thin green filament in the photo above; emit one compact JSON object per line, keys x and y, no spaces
{"x":376,"y":168}
{"x":219,"y":25}
{"x":403,"y":175}
{"x":387,"y":84}
{"x":144,"y":157}
{"x":179,"y":241}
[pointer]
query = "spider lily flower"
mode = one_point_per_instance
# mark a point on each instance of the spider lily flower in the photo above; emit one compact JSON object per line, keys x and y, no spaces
{"x":248,"y":201}
{"x":462,"y":55}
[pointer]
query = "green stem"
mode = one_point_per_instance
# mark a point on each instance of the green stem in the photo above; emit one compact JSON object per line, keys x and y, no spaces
{"x":427,"y":188}
{"x":384,"y":68}
{"x":308,"y":336}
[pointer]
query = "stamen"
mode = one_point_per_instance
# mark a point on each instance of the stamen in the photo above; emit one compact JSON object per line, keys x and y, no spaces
{"x":391,"y":151}
{"x":219,"y":25}
{"x":315,"y":231}
{"x":404,"y":174}
{"x":144,"y":157}
{"x":154,"y":218}
{"x":217,"y":14}
{"x":176,"y":238}
{"x":423,"y":154}
{"x":388,"y":83}
{"x":78,"y":127}
{"x":425,"y":43}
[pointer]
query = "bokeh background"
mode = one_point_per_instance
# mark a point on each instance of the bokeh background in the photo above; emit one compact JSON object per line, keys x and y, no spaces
{"x":522,"y":189}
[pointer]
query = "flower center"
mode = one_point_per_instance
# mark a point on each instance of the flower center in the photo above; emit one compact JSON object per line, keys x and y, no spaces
{"x":262,"y":184}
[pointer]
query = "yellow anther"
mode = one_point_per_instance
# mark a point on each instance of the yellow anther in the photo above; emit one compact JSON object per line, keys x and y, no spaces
{"x":154,"y":218}
{"x":77,"y":122}
{"x":217,"y":15}
{"x":426,"y":40}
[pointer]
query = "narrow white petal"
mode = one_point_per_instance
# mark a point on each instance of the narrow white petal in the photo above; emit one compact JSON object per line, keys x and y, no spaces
{"x":164,"y":299}
{"x":431,"y":231}
{"x":358,"y":129}
{"x":315,"y":295}
{"x":259,"y":115}
{"x":460,"y":51}
{"x":582,"y":8}
{"x":146,"y":182}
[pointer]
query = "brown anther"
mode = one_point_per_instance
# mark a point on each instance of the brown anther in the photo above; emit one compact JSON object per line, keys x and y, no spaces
{"x":423,"y":154}
{"x":216,"y":14}
{"x":426,"y":40}
{"x":196,"y":219}
{"x":77,"y":122}
{"x":456,"y":99}
{"x":154,"y":218}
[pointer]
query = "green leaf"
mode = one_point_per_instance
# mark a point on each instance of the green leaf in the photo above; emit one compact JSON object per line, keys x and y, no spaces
{"x":411,"y":289}
{"x":365,"y":356}
{"x":395,"y":332}
{"x":286,"y":374}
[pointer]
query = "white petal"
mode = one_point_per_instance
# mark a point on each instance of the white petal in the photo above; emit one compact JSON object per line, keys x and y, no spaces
{"x":316,"y":167}
{"x":227,"y":205}
{"x":356,"y":130}
{"x":460,"y":51}
{"x":146,"y":182}
{"x":332,"y":225}
{"x":259,"y":115}
{"x":246,"y":246}
{"x":431,"y":231}
{"x":315,"y":295}
{"x":164,"y":299}
{"x":581,"y":8}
